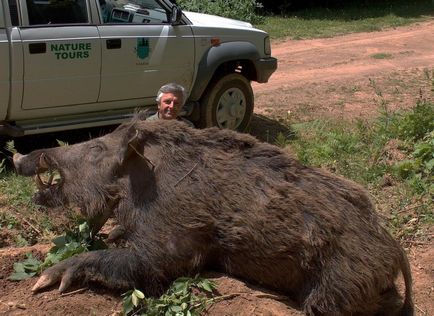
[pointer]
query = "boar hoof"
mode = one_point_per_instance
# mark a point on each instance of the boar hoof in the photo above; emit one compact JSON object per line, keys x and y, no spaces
{"x":64,"y":272}
{"x":117,"y":233}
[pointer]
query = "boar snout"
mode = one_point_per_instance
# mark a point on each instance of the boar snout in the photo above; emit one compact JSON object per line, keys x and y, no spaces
{"x":26,"y":165}
{"x":17,"y":159}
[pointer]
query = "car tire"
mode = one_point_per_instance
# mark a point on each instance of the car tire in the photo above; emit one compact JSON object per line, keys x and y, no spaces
{"x":228,"y":103}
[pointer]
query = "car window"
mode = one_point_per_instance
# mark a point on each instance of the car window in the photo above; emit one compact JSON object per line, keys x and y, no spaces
{"x":13,"y":9}
{"x":57,"y":11}
{"x":132,"y":11}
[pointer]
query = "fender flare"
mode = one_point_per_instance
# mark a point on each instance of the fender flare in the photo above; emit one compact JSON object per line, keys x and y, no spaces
{"x":216,"y":56}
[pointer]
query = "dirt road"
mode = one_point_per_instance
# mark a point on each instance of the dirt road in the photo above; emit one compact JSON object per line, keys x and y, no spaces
{"x":332,"y":76}
{"x":337,"y":77}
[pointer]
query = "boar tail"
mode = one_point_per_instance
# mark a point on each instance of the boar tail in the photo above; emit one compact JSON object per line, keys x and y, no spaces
{"x":408,"y":307}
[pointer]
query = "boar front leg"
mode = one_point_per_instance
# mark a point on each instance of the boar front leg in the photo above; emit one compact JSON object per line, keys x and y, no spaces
{"x":97,"y":222}
{"x":114,"y":268}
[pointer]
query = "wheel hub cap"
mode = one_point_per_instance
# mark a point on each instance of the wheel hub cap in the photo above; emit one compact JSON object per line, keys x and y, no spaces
{"x":231,"y":108}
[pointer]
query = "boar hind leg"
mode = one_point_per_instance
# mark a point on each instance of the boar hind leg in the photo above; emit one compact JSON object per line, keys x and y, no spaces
{"x":113,"y":268}
{"x":329,"y":298}
{"x":391,"y":303}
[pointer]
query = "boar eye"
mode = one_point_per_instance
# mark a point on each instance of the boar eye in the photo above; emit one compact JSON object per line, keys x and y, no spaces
{"x":96,"y":149}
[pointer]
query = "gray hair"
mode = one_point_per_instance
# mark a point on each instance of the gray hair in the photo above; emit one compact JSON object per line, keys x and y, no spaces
{"x":172,"y":88}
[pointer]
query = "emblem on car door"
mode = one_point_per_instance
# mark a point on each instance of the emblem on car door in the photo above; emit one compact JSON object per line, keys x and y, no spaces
{"x":142,"y":49}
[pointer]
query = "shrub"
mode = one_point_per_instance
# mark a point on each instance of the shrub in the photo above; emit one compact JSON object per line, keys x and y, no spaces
{"x":244,"y":10}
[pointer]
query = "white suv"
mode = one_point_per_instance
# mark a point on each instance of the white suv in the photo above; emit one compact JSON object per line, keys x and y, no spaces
{"x":78,"y":63}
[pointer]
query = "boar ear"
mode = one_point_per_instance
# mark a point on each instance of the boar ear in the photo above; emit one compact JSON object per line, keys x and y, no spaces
{"x":131,"y":145}
{"x":129,"y":141}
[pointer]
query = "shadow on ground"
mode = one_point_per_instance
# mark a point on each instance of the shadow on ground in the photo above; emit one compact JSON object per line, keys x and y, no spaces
{"x":267,"y":130}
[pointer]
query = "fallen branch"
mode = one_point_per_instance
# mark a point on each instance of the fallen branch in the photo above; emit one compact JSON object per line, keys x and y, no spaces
{"x":416,"y":242}
{"x":233,"y":295}
{"x":18,"y":216}
{"x":74,"y":292}
{"x":31,"y":225}
{"x":410,"y":208}
{"x":421,"y":310}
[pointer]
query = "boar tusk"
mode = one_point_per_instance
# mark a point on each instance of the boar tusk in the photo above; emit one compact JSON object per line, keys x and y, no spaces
{"x":50,"y":179}
{"x":39,"y":183}
{"x":43,"y":162}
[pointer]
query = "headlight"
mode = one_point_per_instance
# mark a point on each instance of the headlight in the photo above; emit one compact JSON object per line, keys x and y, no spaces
{"x":267,"y":46}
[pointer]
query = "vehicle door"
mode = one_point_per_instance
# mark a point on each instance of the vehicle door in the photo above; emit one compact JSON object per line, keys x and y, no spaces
{"x":141,"y":51}
{"x":62,"y":53}
{"x":4,"y":69}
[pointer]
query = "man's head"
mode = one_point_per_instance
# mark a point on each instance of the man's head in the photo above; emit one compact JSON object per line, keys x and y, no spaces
{"x":170,"y":99}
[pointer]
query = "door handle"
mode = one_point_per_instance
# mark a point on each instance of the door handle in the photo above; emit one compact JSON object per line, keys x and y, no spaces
{"x":114,"y":43}
{"x":37,"y":48}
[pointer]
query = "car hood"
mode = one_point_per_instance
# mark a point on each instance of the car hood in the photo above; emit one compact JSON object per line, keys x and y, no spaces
{"x":202,"y":19}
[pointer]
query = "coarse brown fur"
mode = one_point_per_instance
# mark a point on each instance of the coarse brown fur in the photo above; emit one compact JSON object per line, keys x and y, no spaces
{"x":192,"y":199}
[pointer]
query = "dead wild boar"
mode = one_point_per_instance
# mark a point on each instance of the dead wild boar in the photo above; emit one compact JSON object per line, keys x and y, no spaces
{"x":190,"y":200}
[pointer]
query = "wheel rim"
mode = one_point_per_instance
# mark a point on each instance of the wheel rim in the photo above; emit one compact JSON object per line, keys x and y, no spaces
{"x":231,"y":108}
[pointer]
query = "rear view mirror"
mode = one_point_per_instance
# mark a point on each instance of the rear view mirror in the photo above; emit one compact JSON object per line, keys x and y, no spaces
{"x":175,"y":15}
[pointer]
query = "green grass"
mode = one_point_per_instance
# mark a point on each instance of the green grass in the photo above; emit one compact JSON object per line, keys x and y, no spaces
{"x":18,"y":190}
{"x":358,"y":150}
{"x":322,"y":22}
{"x":340,"y":147}
{"x":21,"y":219}
{"x":354,"y":149}
{"x":382,"y":56}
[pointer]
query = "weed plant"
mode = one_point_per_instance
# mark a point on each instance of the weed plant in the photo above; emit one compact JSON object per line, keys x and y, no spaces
{"x":65,"y":246}
{"x":185,"y":297}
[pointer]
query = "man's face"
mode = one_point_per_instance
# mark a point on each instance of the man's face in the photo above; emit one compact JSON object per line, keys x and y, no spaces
{"x":170,"y":105}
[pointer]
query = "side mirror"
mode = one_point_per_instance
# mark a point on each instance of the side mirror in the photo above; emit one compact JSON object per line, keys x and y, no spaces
{"x":175,"y":15}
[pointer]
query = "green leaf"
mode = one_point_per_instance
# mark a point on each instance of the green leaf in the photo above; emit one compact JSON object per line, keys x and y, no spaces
{"x":19,"y":267}
{"x":62,"y":143}
{"x":207,"y":285}
{"x":127,"y":305}
{"x":134,"y":299}
{"x":180,"y":286}
{"x":10,"y":146}
{"x":31,"y":263}
{"x":19,"y":276}
{"x":429,"y":165}
{"x":139,"y":294}
{"x":60,"y":241}
{"x":176,"y":308}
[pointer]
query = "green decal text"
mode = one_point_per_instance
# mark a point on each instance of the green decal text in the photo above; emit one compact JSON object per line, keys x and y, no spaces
{"x":71,"y":50}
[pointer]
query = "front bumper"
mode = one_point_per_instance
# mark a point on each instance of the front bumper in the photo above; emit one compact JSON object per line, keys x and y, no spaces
{"x":265,"y":68}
